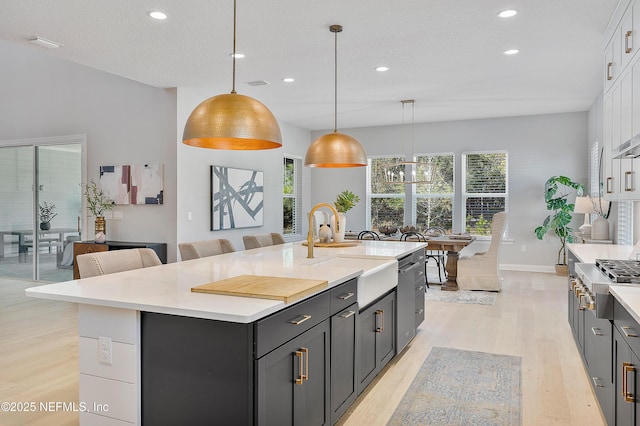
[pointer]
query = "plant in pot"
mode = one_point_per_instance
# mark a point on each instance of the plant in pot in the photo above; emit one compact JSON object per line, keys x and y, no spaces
{"x":98,"y":203}
{"x":557,"y":191}
{"x":345,"y":201}
{"x":46,"y":214}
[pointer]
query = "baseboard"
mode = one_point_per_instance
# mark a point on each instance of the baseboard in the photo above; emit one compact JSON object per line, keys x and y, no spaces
{"x":527,"y":268}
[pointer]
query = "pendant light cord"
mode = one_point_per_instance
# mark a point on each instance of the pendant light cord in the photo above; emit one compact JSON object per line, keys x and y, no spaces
{"x":335,"y":85}
{"x":233,"y":56}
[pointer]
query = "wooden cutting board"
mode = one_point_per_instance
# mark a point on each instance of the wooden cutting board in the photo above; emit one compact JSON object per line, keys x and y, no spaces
{"x":263,"y":287}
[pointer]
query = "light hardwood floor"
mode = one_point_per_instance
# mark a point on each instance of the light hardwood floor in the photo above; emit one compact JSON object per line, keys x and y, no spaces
{"x":38,"y":353}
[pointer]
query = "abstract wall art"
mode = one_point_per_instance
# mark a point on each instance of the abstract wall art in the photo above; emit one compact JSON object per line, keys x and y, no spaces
{"x":237,"y":198}
{"x":114,"y":181}
{"x":147,"y":184}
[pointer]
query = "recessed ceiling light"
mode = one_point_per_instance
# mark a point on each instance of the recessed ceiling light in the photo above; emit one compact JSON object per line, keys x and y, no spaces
{"x":45,"y":43}
{"x":511,"y":51}
{"x":508,"y":13}
{"x":382,"y":69}
{"x":237,"y":55}
{"x":288,"y":80}
{"x":156,"y":14}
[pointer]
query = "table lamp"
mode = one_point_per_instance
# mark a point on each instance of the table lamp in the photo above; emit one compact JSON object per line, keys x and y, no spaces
{"x":584,"y":205}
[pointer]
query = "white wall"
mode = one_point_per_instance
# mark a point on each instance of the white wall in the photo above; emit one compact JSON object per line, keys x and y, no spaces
{"x":539,"y":147}
{"x":194,"y":189}
{"x":125,"y":123}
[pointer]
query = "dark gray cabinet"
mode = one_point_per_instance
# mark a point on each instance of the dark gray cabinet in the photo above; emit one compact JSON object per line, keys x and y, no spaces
{"x":410,"y":305}
{"x":293,"y":381}
{"x":343,"y":361}
{"x":598,"y":349}
{"x":626,"y":347}
{"x":376,"y":338}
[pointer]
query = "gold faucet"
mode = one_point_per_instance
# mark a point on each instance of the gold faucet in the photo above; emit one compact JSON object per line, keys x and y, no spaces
{"x":310,"y":234}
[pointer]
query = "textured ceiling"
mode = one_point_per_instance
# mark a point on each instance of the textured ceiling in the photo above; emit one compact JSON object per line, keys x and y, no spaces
{"x":445,"y":54}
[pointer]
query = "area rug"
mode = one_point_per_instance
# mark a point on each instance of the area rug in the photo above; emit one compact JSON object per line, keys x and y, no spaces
{"x":458,"y":387}
{"x":473,"y":297}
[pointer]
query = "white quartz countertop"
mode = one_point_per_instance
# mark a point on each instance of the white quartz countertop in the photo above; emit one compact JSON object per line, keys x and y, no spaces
{"x":167,"y":288}
{"x":629,"y":297}
{"x":588,"y":253}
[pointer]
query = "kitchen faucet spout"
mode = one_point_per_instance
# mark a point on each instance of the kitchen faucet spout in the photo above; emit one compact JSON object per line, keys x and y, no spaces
{"x":310,"y":234}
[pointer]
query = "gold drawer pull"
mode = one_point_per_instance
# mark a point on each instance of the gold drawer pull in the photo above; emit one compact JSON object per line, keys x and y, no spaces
{"x":596,"y":331}
{"x":300,"y":379}
{"x":420,"y":311}
{"x":609,"y":183}
{"x":609,"y":74}
{"x":346,"y":296}
{"x":629,"y":181}
{"x":305,"y":351}
{"x":627,"y":47}
{"x":419,"y":288}
{"x":627,"y":368}
{"x":380,"y":314}
{"x":300,"y":321}
{"x":627,"y":333}
{"x":348,"y":314}
{"x":597,"y":382}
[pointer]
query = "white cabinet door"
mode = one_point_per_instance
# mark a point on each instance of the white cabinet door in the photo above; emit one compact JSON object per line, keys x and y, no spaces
{"x":611,"y":167}
{"x":626,"y":37}
{"x":611,"y":62}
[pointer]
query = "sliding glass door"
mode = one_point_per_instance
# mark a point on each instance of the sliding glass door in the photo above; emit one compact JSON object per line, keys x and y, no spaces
{"x":40,"y":206}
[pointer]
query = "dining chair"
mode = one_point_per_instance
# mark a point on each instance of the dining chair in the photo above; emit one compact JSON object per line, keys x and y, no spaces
{"x":368,"y":235}
{"x":262,"y":240}
{"x":437,"y":255}
{"x":111,"y":261}
{"x":480,"y":270}
{"x":205,"y":248}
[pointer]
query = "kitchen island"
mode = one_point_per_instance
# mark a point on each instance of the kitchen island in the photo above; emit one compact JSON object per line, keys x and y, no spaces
{"x":152,"y":349}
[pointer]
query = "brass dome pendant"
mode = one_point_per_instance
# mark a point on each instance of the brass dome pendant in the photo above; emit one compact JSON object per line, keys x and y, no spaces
{"x":232,"y":121}
{"x":335,"y":149}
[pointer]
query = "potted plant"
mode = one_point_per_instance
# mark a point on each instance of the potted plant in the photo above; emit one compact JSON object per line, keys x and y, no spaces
{"x":557,"y":191}
{"x":98,"y":203}
{"x":46,"y":214}
{"x":345,"y":201}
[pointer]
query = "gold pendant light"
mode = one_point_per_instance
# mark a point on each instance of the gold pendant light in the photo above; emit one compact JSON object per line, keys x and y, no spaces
{"x":232,"y":121}
{"x":335,"y":149}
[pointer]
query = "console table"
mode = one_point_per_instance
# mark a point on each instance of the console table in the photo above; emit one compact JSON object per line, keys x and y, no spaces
{"x":82,"y":247}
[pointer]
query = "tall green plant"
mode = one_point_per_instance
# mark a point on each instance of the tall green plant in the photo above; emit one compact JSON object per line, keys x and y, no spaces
{"x":557,"y":190}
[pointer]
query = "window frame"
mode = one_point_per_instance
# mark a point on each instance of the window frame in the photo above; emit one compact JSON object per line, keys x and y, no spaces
{"x":296,"y":196}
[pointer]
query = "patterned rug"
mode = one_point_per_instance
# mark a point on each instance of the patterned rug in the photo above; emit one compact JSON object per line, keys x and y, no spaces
{"x":434,"y":294}
{"x":458,"y":387}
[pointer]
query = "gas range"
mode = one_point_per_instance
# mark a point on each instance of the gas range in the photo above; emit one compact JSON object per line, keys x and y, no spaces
{"x":591,"y":282}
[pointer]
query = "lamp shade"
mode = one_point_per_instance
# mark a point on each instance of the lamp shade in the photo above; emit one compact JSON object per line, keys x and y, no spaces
{"x":335,"y":150}
{"x":584,"y":205}
{"x":232,"y":121}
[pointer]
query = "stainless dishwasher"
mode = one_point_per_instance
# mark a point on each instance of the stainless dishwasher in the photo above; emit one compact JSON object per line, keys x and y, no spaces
{"x":410,"y":280}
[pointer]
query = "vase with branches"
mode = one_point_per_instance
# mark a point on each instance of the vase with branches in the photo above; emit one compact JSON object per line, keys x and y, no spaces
{"x":97,"y":204}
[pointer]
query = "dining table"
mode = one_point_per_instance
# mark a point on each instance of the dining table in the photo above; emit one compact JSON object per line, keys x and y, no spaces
{"x":451,"y":243}
{"x":51,"y":236}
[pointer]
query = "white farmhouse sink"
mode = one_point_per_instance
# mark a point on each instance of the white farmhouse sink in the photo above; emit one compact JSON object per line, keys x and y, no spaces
{"x":380,"y":274}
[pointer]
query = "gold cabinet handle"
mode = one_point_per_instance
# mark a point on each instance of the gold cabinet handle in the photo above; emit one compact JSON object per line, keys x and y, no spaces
{"x":346,"y":296}
{"x":420,"y":311}
{"x":419,"y":288}
{"x":300,"y":321}
{"x":627,"y":47}
{"x":380,"y":314}
{"x":627,"y":333}
{"x":596,"y":331}
{"x":627,"y":368}
{"x":581,"y":302}
{"x":609,"y":185}
{"x":597,"y":383}
{"x":629,"y":181}
{"x":299,"y":379}
{"x":609,"y":67}
{"x":305,"y":376}
{"x":348,"y":314}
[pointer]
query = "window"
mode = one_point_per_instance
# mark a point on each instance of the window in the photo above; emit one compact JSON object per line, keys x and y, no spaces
{"x":431,"y":203}
{"x":434,"y":201}
{"x":291,"y":196}
{"x":485,"y":192}
{"x":386,"y":194}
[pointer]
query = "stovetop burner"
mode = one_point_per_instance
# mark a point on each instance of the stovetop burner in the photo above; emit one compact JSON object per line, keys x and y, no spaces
{"x":620,"y":271}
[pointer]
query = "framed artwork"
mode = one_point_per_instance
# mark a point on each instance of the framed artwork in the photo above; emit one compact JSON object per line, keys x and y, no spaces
{"x":114,"y":181}
{"x":237,"y":198}
{"x":147,"y":184}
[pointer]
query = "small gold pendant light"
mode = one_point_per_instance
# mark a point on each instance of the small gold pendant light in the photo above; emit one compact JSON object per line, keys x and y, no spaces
{"x":232,"y":121}
{"x":335,"y":149}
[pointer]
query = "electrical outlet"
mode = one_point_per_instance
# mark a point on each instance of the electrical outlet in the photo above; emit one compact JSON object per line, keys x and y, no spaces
{"x":105,"y":354}
{"x":523,"y":248}
{"x":189,"y":216}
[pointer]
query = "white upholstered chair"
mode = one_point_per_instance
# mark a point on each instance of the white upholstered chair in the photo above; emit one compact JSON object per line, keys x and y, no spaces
{"x":262,"y":240}
{"x":480,"y":271}
{"x":111,"y":261}
{"x":205,"y":248}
